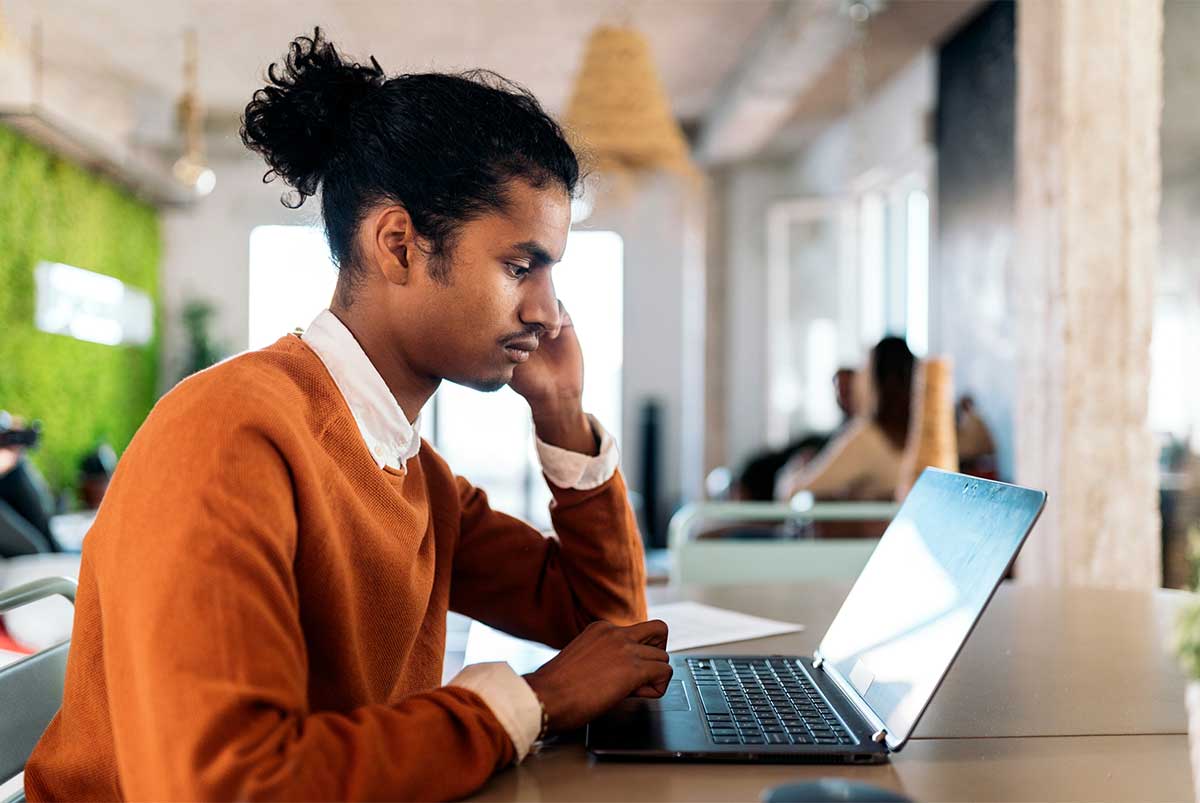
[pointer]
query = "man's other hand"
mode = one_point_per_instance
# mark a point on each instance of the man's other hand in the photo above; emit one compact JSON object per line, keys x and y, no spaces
{"x":602,"y":666}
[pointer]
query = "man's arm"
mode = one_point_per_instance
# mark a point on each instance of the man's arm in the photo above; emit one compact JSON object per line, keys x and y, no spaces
{"x":549,"y":588}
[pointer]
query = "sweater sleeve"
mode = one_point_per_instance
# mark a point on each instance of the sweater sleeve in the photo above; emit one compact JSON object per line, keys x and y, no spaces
{"x":206,"y":656}
{"x":549,"y":588}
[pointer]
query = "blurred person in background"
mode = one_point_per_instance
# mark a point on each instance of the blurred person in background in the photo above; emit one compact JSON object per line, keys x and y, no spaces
{"x":976,"y":447}
{"x":25,"y":499}
{"x":844,"y":382}
{"x":863,"y":461}
{"x":263,"y":596}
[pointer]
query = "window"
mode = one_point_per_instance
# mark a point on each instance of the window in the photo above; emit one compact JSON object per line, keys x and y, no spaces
{"x":893,"y":247}
{"x":485,"y":437}
{"x":292,"y":278}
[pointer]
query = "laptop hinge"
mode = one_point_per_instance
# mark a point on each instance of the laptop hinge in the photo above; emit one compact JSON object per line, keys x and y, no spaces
{"x":850,"y":693}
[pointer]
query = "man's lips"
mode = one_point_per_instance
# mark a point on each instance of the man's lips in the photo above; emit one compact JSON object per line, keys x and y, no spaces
{"x":520,"y":350}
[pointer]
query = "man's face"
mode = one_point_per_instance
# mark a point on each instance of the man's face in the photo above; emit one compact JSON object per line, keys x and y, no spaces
{"x":484,"y":319}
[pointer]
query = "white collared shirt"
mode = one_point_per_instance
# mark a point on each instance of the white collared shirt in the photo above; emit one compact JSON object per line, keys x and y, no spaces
{"x":393,"y":441}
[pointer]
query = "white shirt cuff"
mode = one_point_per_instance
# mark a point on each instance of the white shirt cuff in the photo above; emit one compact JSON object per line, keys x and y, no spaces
{"x":582,"y":472}
{"x":509,"y":697}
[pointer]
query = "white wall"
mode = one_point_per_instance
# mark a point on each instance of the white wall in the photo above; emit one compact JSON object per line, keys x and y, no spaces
{"x":660,"y":221}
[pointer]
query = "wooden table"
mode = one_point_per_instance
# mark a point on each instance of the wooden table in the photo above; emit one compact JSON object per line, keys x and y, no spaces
{"x":1058,"y":695}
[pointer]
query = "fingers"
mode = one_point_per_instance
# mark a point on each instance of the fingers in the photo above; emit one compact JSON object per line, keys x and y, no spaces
{"x":649,"y":652}
{"x":651,"y":632}
{"x":651,"y":692}
{"x":655,"y":677}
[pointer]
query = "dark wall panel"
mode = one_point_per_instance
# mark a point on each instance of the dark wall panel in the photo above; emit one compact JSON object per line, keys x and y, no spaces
{"x":971,"y":282}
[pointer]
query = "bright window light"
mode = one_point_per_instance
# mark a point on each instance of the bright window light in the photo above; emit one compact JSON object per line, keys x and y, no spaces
{"x":292,"y":279}
{"x":91,"y":306}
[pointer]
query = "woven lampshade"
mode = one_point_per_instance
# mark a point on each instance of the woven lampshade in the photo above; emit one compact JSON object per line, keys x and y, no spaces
{"x":932,"y":436}
{"x":619,"y":112}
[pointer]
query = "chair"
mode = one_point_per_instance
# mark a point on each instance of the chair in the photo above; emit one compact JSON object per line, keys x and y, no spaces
{"x":726,"y":562}
{"x":31,"y":689}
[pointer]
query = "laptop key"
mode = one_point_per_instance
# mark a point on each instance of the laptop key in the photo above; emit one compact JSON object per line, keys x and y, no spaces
{"x":726,"y":740}
{"x":777,"y":738}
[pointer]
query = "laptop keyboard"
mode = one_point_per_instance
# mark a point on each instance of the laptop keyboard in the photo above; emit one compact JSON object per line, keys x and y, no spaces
{"x":764,"y":701}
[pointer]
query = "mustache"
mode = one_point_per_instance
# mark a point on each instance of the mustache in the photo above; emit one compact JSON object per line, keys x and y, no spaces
{"x":532,"y":332}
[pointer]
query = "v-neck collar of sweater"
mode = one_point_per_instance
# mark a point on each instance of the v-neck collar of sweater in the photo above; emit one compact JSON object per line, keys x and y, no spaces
{"x":389,"y":436}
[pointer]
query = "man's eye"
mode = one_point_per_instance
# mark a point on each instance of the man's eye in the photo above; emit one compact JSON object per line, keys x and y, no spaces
{"x":519,"y":271}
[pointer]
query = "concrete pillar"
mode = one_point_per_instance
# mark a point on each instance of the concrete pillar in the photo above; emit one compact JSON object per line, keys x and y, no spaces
{"x":1089,"y":101}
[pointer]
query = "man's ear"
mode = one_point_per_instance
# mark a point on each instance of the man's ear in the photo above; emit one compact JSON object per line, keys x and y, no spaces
{"x":392,"y":242}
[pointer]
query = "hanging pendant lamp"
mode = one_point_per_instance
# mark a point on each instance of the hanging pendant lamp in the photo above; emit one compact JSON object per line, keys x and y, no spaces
{"x":619,"y":110}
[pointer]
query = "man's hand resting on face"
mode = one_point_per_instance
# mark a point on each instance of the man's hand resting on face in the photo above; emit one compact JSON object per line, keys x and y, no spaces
{"x":600,"y":668}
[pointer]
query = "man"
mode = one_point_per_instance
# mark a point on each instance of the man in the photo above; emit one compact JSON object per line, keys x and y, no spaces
{"x":262,"y":601}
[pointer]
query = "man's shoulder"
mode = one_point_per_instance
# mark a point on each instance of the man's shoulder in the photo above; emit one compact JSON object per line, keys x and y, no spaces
{"x":280,"y":383}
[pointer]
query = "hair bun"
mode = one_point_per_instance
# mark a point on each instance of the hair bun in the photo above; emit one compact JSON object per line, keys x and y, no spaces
{"x":299,"y":120}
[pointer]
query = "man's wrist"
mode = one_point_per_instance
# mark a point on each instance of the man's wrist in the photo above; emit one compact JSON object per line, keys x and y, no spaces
{"x":563,"y":423}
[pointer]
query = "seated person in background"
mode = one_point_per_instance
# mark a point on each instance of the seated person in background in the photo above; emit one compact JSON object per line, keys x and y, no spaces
{"x":863,"y":462}
{"x":844,"y":381}
{"x":95,"y":473}
{"x":976,"y":447}
{"x":756,"y":481}
{"x":262,"y":600}
{"x":25,"y":500}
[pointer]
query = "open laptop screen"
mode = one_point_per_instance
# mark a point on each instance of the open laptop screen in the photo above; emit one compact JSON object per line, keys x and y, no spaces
{"x":923,"y":589}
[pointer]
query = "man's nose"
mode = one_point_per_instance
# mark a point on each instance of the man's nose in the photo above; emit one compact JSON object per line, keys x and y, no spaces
{"x":541,"y":307}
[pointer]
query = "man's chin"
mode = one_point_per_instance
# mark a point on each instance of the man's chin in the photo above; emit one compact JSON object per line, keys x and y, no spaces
{"x":487,"y":384}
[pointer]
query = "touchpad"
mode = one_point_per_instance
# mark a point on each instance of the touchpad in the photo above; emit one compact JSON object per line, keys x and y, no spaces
{"x":676,"y":699}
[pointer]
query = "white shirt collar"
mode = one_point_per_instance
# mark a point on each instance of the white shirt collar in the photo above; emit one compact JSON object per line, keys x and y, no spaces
{"x":391,"y":439}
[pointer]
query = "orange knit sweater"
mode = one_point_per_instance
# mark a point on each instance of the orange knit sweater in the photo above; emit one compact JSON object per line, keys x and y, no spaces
{"x":262,"y":610}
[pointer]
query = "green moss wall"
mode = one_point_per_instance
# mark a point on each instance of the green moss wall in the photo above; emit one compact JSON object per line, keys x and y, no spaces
{"x":83,"y":392}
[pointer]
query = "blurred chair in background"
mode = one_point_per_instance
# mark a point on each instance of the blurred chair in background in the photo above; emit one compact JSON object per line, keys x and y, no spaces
{"x":932,"y":436}
{"x":31,"y":688}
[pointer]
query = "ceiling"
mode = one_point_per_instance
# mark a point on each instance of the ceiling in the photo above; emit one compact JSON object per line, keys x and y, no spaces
{"x":538,"y":43}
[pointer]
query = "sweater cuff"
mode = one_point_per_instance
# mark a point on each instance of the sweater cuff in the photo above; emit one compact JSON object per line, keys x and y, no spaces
{"x":509,"y":697}
{"x":580,"y":472}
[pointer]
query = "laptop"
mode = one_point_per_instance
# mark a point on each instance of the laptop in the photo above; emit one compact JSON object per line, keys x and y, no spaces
{"x":859,"y":697}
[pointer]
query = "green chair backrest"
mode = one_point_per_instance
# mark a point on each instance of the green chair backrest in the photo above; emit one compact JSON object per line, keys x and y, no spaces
{"x":717,"y":561}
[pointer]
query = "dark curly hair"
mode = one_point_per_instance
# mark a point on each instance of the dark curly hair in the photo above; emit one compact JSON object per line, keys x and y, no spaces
{"x":444,"y":146}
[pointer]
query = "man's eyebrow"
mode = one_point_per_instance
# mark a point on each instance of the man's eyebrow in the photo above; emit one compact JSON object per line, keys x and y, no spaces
{"x":536,"y":252}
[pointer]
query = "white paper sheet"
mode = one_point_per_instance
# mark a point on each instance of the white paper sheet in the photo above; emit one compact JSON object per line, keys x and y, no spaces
{"x":693,"y":624}
{"x":690,"y":625}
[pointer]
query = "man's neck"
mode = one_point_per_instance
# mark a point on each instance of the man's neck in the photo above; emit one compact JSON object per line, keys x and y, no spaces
{"x":410,"y":389}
